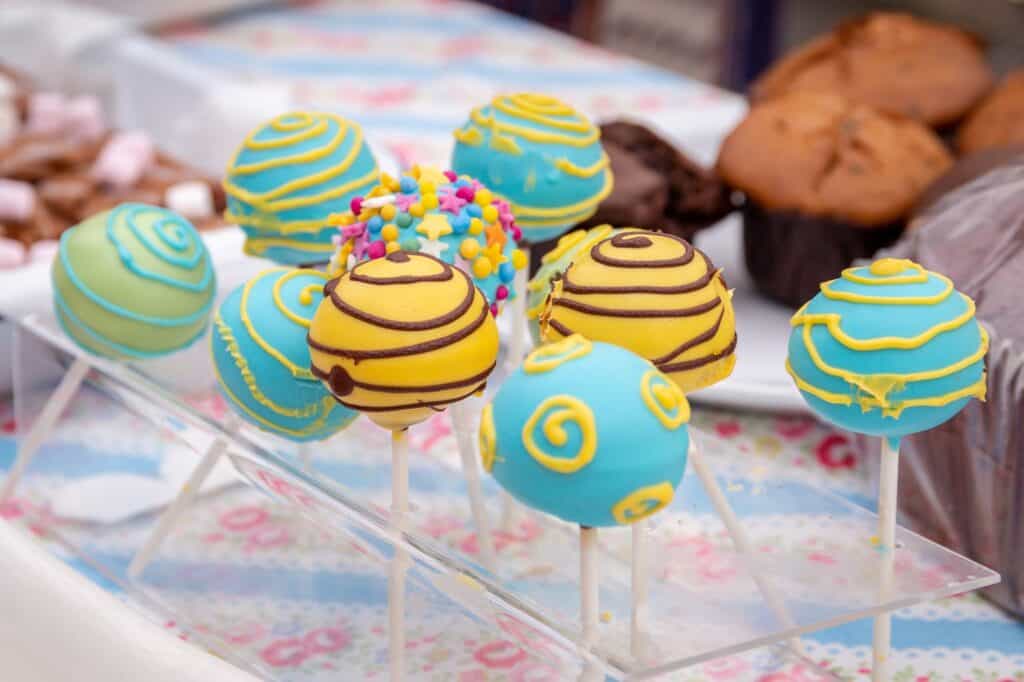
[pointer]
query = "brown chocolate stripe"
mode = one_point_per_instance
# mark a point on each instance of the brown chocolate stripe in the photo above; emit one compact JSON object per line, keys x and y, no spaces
{"x":415,"y":349}
{"x":384,"y":388}
{"x":698,"y":362}
{"x":624,"y":312}
{"x":560,"y":328}
{"x":695,"y":285}
{"x":443,"y":276}
{"x":437,"y":405}
{"x":595,"y":252}
{"x":691,"y":343}
{"x":431,"y":323}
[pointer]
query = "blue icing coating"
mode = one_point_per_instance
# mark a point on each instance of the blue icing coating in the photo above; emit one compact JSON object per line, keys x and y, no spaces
{"x":588,"y":432}
{"x":289,"y":175}
{"x":262,"y":359}
{"x":439,"y":222}
{"x":888,"y":350}
{"x":540,"y":155}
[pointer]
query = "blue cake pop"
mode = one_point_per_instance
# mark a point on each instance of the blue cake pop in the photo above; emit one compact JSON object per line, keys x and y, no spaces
{"x":541,"y":156}
{"x":588,"y":432}
{"x":288,"y":176}
{"x":888,"y":350}
{"x":262,"y":359}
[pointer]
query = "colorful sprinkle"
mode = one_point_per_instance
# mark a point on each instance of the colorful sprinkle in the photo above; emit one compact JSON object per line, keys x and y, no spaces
{"x":482,"y":267}
{"x":416,"y":209}
{"x":460,"y":224}
{"x":469,"y":248}
{"x":403,"y":220}
{"x":388,"y":212}
{"x":407,"y":184}
{"x":374,"y":224}
{"x":519,"y":259}
{"x":429,"y":201}
{"x":501,"y":293}
{"x":507,"y":272}
{"x":465,"y":192}
{"x":356,"y":205}
{"x":476,"y":226}
{"x":376,"y":249}
{"x":389,"y":232}
{"x":452,"y":177}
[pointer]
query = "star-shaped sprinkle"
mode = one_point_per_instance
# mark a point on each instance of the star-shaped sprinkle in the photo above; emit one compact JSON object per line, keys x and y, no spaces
{"x":433,"y":247}
{"x":404,"y":201}
{"x":433,"y":175}
{"x":495,"y":235}
{"x":493,"y":253}
{"x":434,"y":226}
{"x":450,"y":202}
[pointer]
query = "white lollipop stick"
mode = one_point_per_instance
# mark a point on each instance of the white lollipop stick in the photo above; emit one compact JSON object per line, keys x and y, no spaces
{"x":888,"y":485}
{"x":462,"y":422}
{"x":44,"y":424}
{"x":189,"y":490}
{"x":639,"y":588}
{"x":589,"y":585}
{"x":739,"y":537}
{"x":400,"y":561}
{"x":517,"y":340}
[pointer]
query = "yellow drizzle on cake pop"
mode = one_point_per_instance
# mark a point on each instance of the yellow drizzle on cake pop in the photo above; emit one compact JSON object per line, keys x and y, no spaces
{"x":403,"y":337}
{"x":655,"y":295}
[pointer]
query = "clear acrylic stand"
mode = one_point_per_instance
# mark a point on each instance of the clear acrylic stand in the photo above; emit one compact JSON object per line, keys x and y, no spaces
{"x":815,"y":547}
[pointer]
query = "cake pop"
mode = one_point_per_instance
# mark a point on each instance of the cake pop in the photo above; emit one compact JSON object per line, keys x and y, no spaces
{"x":261,"y":357}
{"x":459,"y":221}
{"x":564,"y":434}
{"x":654,"y":294}
{"x":133,"y":282}
{"x":540,"y":155}
{"x":661,"y":298}
{"x":288,"y":176}
{"x":889,"y":350}
{"x":401,"y":338}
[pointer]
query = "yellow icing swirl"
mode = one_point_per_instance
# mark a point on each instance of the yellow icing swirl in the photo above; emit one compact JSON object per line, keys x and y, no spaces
{"x":553,"y":355}
{"x":664,"y":399}
{"x":643,"y":502}
{"x":488,"y":438}
{"x":552,"y":415}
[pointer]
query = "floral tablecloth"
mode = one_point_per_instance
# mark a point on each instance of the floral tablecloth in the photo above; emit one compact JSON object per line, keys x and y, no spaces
{"x":409,"y":72}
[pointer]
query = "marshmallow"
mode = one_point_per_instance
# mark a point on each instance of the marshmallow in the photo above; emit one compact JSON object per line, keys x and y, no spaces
{"x":191,"y":199}
{"x":17,"y":200}
{"x":43,"y":250}
{"x":85,"y":118}
{"x":12,"y":253}
{"x":9,"y":121}
{"x":47,"y":112}
{"x":124,"y":159}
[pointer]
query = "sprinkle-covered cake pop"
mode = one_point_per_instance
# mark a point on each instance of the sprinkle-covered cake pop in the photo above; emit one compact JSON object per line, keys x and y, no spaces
{"x":539,"y":154}
{"x":588,"y":432}
{"x":888,"y":349}
{"x":133,"y":282}
{"x":288,"y":176}
{"x":403,"y":337}
{"x":553,"y":264}
{"x":261,"y":356}
{"x":455,"y":219}
{"x":654,"y":294}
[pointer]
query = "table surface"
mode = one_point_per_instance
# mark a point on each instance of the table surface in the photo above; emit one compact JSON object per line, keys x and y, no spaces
{"x":409,"y":72}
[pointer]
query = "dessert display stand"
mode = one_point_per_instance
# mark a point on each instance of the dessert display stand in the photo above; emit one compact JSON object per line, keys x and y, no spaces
{"x":818,"y":550}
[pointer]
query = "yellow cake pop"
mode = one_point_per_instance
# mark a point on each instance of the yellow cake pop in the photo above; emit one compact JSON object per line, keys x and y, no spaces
{"x":655,"y":295}
{"x":403,"y":337}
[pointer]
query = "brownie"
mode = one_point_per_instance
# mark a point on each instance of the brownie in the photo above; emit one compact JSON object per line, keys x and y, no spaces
{"x":891,"y":61}
{"x":999,"y":119}
{"x":824,"y":181}
{"x":657,"y":187}
{"x":963,"y":482}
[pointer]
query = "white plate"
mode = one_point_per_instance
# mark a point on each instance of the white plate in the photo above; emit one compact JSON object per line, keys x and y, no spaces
{"x":760,"y":380}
